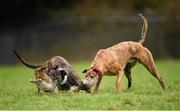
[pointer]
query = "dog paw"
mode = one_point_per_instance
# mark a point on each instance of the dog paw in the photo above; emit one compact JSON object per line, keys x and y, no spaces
{"x":74,"y":89}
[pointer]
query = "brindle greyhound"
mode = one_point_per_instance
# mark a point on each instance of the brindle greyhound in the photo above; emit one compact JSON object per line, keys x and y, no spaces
{"x":120,"y":59}
{"x":55,"y":72}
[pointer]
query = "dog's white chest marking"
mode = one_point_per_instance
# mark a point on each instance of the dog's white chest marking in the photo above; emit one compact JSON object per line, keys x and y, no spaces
{"x":64,"y":80}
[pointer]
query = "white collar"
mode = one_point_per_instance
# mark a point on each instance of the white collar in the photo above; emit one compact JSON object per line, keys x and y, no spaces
{"x":64,"y":81}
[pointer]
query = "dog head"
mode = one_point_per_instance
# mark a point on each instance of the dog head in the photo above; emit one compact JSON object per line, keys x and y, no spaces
{"x":91,"y":77}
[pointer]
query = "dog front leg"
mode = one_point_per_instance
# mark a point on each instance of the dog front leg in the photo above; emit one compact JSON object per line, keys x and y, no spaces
{"x":98,"y":83}
{"x":118,"y":80}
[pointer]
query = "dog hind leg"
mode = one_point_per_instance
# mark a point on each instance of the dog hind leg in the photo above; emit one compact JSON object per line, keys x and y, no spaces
{"x":146,"y":58}
{"x":127,"y":71}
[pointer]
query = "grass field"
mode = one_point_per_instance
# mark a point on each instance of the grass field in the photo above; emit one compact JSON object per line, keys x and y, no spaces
{"x":16,"y":92}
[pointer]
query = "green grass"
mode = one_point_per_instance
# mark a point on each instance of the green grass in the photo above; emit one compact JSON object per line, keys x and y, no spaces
{"x":16,"y":92}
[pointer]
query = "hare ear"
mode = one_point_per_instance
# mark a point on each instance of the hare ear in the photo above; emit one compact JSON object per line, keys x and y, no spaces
{"x":84,"y":71}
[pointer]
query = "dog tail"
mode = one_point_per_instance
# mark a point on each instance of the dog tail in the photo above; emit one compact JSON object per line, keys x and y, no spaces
{"x":25,"y":63}
{"x":144,"y":29}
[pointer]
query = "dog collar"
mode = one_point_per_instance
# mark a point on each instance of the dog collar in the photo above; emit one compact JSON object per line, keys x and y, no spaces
{"x":64,"y":80}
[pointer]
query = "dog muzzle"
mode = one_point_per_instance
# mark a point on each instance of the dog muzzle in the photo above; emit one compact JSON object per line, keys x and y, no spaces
{"x":90,"y":82}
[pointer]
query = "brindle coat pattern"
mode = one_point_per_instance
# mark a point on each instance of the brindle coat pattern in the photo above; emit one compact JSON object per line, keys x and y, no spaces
{"x":48,"y":72}
{"x":120,"y":58}
{"x":73,"y":79}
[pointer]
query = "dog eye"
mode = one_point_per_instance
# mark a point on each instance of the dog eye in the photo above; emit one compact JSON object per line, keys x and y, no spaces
{"x":91,"y":77}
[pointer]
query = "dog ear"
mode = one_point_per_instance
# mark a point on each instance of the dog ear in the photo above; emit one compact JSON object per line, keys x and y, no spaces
{"x":63,"y":72}
{"x":55,"y":68}
{"x":97,"y":71}
{"x":84,"y":71}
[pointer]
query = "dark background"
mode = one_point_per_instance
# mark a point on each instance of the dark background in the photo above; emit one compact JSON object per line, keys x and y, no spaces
{"x":76,"y":29}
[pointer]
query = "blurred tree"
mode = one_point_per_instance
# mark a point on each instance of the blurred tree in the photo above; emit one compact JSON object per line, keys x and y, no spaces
{"x":69,"y":26}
